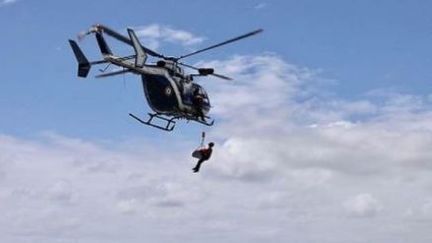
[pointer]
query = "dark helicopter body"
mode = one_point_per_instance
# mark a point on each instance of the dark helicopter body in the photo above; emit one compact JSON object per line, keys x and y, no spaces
{"x":169,"y":92}
{"x":160,"y":94}
{"x":169,"y":96}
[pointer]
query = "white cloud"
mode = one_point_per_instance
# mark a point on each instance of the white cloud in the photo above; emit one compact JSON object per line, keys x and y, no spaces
{"x":7,"y":2}
{"x":153,"y":35}
{"x":61,"y":191}
{"x":363,"y":205}
{"x":260,"y":6}
{"x":128,"y":206}
{"x":290,"y":161}
{"x":272,"y":112}
{"x":421,"y":211}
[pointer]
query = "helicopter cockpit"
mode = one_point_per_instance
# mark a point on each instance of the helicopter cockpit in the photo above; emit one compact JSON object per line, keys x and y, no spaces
{"x":190,"y":90}
{"x":187,"y":87}
{"x":197,"y":89}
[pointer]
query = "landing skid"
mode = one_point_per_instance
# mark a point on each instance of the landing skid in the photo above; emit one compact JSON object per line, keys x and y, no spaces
{"x":204,"y":122}
{"x":170,"y":123}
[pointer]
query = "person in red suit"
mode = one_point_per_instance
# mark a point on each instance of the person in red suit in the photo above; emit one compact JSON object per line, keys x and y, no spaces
{"x":205,"y":155}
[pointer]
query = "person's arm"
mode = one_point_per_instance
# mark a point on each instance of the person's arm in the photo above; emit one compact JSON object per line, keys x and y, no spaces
{"x":205,"y":153}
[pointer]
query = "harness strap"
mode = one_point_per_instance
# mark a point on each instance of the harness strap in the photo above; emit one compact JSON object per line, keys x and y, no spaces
{"x":202,"y":139}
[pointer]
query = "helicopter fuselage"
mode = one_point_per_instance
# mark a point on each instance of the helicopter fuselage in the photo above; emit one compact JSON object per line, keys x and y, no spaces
{"x":166,"y":89}
{"x":172,"y":96}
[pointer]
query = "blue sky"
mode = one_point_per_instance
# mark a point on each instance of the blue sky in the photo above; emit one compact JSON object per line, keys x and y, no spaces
{"x":362,"y":45}
{"x":324,"y":134}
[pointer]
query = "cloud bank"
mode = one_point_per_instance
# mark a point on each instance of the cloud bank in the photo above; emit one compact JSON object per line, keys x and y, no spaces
{"x":153,"y":35}
{"x":293,"y":162}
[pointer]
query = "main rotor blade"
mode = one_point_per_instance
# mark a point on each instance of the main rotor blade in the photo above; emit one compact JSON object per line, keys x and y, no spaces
{"x":112,"y":73}
{"x":126,"y":40}
{"x":224,"y":43}
{"x":214,"y":74}
{"x":221,"y":76}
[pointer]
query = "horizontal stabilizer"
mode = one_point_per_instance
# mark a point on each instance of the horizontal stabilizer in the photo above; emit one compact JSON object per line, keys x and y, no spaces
{"x":112,"y":73}
{"x":83,"y":63}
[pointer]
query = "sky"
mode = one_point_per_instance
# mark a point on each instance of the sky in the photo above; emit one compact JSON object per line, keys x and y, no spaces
{"x":323,"y":136}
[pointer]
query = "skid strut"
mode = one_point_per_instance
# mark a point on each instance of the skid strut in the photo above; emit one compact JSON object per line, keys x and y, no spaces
{"x":170,"y":123}
{"x":205,"y":123}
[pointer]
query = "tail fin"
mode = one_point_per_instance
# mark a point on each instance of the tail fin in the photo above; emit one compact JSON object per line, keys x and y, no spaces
{"x":102,"y":44}
{"x":83,"y":63}
{"x":140,"y":54}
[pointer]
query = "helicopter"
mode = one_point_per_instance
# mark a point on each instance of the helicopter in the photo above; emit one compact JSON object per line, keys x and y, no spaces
{"x":170,"y":92}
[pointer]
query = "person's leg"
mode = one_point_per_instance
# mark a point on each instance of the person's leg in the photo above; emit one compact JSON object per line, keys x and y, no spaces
{"x":198,"y":105}
{"x":198,"y":165}
{"x":202,"y":115}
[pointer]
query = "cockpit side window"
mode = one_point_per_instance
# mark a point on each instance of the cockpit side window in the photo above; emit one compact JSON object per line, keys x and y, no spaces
{"x":192,"y":89}
{"x":203,"y":93}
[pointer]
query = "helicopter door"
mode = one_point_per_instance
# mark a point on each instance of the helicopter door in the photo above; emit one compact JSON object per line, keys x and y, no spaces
{"x":187,"y":94}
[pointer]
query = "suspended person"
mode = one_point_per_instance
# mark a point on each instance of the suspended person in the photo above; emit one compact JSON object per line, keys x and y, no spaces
{"x":204,"y":155}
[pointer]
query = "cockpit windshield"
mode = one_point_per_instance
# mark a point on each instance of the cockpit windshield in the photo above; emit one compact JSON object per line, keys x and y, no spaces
{"x":197,"y":89}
